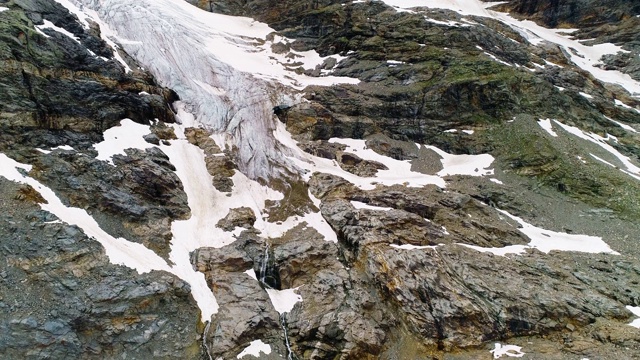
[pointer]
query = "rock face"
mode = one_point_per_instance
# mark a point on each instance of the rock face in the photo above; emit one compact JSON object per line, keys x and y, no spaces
{"x":60,"y":295}
{"x":329,"y":258}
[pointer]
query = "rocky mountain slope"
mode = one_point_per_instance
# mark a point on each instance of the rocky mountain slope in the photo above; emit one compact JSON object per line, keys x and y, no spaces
{"x":398,"y":179}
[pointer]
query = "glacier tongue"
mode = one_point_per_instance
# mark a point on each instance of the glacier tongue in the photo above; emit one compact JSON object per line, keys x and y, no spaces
{"x":221,"y":66}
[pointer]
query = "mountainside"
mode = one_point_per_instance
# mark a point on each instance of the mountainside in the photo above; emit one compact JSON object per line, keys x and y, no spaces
{"x":397,"y":179}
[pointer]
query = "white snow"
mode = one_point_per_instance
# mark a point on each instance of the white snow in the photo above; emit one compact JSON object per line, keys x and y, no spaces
{"x":547,"y":240}
{"x":636,"y":311}
{"x":360,"y":205}
{"x":511,"y":249}
{"x":620,"y":103}
{"x":255,"y":348}
{"x":602,"y":160}
{"x":412,"y":247}
{"x":631,"y":169}
{"x":585,"y":95}
{"x":468,"y":132}
{"x":284,"y":300}
{"x":496,"y":181}
{"x":584,"y":56}
{"x":473,"y":165}
{"x":49,"y":25}
{"x":118,"y":138}
{"x":119,"y":251}
{"x":624,"y":126}
{"x":252,"y":274}
{"x":546,"y":125}
{"x":2,"y":8}
{"x":449,"y":23}
{"x":451,"y":131}
{"x":508,"y":350}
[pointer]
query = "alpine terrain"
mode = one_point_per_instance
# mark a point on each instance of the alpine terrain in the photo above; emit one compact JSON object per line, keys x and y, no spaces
{"x":319,"y":179}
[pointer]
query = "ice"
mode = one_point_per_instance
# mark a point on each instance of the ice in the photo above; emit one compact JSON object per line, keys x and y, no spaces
{"x":508,"y":350}
{"x":546,"y":125}
{"x":186,"y":47}
{"x":636,"y":311}
{"x":360,"y":205}
{"x":128,"y":135}
{"x":255,"y":348}
{"x":49,"y":25}
{"x":284,"y":300}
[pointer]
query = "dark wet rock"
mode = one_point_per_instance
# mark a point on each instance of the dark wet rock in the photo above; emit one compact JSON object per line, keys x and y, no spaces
{"x":61,"y":297}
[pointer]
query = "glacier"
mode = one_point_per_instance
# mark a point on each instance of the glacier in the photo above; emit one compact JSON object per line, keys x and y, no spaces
{"x":222,"y":67}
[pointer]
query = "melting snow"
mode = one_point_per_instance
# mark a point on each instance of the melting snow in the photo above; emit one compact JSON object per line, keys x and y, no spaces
{"x":118,"y":138}
{"x":360,"y":205}
{"x":547,"y":241}
{"x":584,"y":56}
{"x":624,"y":126}
{"x":636,"y":311}
{"x":631,"y":169}
{"x":472,"y":165}
{"x":255,"y":348}
{"x":508,"y":350}
{"x":49,"y":25}
{"x":412,"y":247}
{"x":620,"y":103}
{"x":284,"y":300}
{"x":546,"y":125}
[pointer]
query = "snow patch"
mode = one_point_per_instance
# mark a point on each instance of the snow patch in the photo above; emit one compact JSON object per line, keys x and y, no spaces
{"x":546,"y":125}
{"x":472,"y":165}
{"x":631,"y":169}
{"x":584,"y":56}
{"x":508,"y":350}
{"x":128,"y":135}
{"x":620,"y":103}
{"x":412,"y":247}
{"x":360,"y":205}
{"x":49,"y":25}
{"x":284,"y":300}
{"x":636,"y":311}
{"x":2,"y":8}
{"x":624,"y":126}
{"x":255,"y":348}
